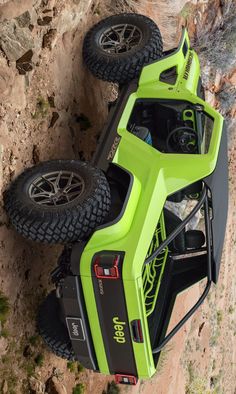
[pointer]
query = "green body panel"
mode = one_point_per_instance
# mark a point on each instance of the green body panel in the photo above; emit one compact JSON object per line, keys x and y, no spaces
{"x":149,"y":275}
{"x":155,"y":176}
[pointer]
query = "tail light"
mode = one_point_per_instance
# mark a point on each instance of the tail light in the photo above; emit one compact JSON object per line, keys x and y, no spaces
{"x":125,"y":379}
{"x":106,"y":266}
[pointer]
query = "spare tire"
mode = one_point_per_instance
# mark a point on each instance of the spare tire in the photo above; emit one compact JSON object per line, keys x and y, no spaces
{"x":59,"y":201}
{"x":117,"y":48}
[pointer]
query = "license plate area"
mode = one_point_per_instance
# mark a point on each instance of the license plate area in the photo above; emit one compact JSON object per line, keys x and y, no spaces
{"x":75,"y":328}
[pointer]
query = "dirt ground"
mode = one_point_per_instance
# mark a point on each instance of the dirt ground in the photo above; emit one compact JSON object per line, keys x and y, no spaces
{"x":57,"y":110}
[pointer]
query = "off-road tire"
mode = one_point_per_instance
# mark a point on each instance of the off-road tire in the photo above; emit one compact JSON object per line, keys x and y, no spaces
{"x":53,"y":331}
{"x":122,"y":68}
{"x":60,"y":224}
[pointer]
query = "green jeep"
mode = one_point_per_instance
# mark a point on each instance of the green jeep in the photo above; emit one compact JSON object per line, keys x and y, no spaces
{"x":141,"y":223}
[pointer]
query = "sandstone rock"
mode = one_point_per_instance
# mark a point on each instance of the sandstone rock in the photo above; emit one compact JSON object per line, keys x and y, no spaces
{"x":28,"y":351}
{"x":54,"y":386}
{"x":218,"y":82}
{"x":210,"y":98}
{"x":44,"y":21}
{"x":232,"y":78}
{"x":233,"y":112}
{"x":218,"y":19}
{"x":70,"y":18}
{"x":3,"y":345}
{"x":6,"y":77}
{"x":44,"y":3}
{"x":18,"y":96}
{"x":5,"y":387}
{"x":51,"y":101}
{"x":15,"y":41}
{"x":13,"y":8}
{"x":24,"y":64}
{"x":36,"y":386}
{"x":55,"y":116}
{"x":57,"y":373}
{"x":49,"y":4}
{"x":49,"y":38}
{"x":24,"y":19}
{"x":210,"y":16}
{"x":36,"y":154}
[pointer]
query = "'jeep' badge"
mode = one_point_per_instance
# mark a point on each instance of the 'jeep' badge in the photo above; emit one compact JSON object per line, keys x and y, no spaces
{"x":76,"y":329}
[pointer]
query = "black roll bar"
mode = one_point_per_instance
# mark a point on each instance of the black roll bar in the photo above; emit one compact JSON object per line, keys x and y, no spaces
{"x":178,"y":228}
{"x":203,"y":200}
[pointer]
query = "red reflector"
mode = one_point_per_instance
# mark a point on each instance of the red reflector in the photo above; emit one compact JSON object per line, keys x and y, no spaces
{"x":125,"y":379}
{"x":107,"y":270}
{"x":140,"y":331}
{"x":106,"y":273}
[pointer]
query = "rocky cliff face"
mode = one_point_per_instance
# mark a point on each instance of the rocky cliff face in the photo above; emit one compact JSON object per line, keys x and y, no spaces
{"x":51,"y":107}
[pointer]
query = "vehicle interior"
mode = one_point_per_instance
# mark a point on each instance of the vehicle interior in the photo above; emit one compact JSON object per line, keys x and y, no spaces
{"x":175,"y":126}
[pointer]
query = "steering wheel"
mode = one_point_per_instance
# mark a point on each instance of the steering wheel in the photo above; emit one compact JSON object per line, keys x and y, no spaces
{"x":182,"y":138}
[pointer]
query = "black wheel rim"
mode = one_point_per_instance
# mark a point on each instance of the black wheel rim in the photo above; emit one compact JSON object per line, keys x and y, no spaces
{"x":120,"y":38}
{"x":56,"y":188}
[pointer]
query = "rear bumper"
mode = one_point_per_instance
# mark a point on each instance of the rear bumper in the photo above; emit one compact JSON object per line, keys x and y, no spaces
{"x":77,"y":322}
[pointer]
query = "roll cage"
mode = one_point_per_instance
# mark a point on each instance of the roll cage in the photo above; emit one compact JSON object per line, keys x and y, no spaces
{"x":199,"y":266}
{"x":188,"y":268}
